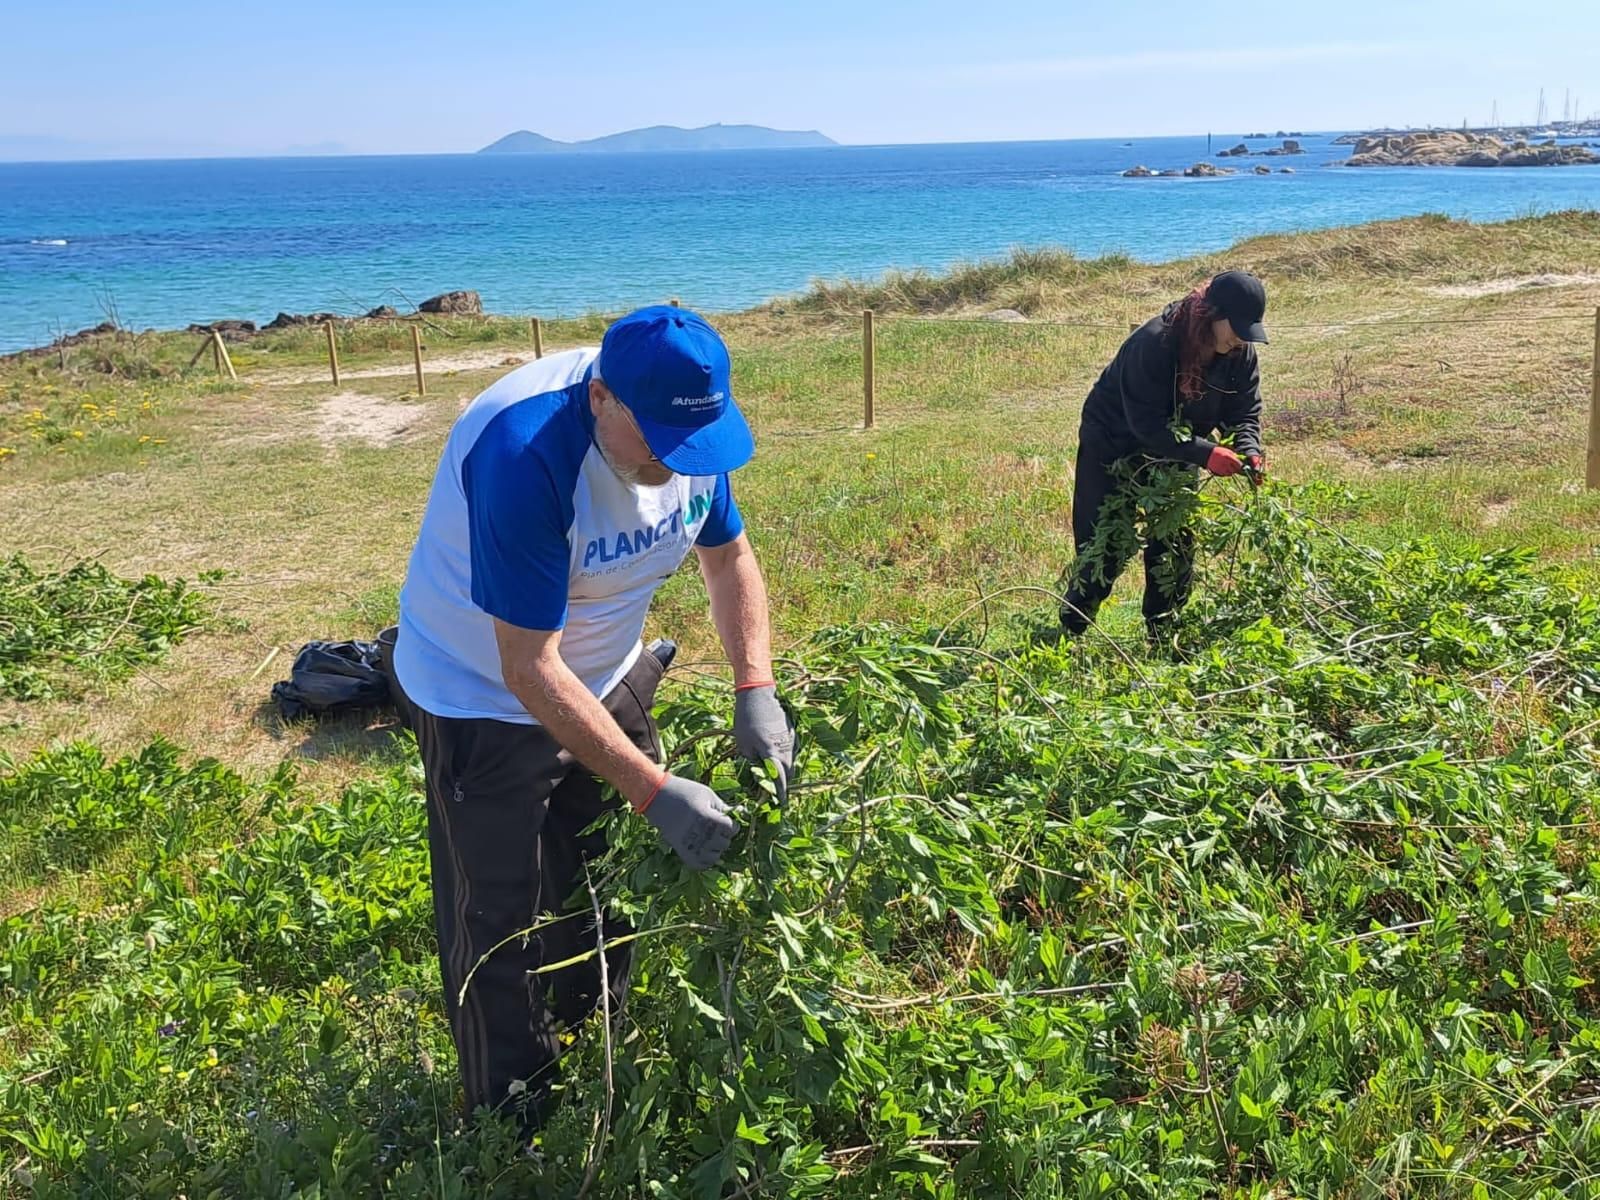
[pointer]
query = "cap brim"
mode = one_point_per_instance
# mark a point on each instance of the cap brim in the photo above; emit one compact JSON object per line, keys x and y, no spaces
{"x":1250,"y":331}
{"x":726,"y":444}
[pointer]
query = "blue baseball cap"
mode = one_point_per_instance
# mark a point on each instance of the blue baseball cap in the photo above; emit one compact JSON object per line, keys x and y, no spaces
{"x":671,"y":371}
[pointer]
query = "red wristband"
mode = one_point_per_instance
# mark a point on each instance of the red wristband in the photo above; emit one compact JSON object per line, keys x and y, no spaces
{"x":654,"y":792}
{"x":755,"y":683}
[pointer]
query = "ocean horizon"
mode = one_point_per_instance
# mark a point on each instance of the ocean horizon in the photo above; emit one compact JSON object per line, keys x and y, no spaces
{"x":164,"y":243}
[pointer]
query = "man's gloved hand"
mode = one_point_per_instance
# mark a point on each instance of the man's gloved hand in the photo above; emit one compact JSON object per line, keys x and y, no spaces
{"x":1224,"y":462}
{"x":761,"y":730}
{"x":1256,"y":469}
{"x":691,"y":819}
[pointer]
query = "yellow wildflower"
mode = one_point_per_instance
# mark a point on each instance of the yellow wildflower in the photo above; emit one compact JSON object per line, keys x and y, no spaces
{"x":164,"y":1069}
{"x":871,"y":456}
{"x":77,"y":433}
{"x":6,"y":451}
{"x":143,"y":438}
{"x":158,"y":441}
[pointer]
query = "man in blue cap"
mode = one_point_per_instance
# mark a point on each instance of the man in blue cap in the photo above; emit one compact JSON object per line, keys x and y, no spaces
{"x":567,"y":493}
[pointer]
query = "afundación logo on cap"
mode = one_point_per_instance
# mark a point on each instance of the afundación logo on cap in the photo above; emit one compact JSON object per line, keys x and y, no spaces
{"x":698,"y":401}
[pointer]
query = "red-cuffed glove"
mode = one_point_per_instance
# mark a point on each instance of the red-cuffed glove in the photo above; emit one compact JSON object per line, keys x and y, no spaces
{"x":1224,"y":462}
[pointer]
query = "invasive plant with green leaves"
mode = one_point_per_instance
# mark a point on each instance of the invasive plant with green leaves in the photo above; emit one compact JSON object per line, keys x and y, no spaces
{"x":1155,"y":501}
{"x":1307,"y":909}
{"x":83,"y":620}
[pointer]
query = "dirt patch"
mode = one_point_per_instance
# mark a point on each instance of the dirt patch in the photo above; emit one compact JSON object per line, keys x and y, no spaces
{"x":370,"y":419}
{"x":1519,"y":283}
{"x":21,"y":901}
{"x":1496,"y":511}
{"x":1348,"y":459}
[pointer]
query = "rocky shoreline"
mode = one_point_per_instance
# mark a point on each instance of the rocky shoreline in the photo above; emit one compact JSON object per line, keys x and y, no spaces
{"x":448,"y":304}
{"x":231,"y":329}
{"x":1428,"y":148}
{"x":1457,"y":148}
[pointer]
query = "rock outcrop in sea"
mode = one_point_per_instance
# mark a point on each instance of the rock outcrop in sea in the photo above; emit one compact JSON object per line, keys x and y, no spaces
{"x":1201,"y":170}
{"x":458,"y":304}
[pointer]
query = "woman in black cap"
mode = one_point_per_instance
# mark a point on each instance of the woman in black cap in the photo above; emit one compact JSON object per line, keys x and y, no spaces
{"x":1178,"y":379}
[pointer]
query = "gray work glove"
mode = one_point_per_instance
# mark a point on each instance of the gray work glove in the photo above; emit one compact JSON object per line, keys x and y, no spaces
{"x":692,"y":820}
{"x":761,"y":730}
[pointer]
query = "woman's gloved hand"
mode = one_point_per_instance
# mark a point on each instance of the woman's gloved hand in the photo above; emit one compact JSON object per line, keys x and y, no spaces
{"x":1224,"y":462}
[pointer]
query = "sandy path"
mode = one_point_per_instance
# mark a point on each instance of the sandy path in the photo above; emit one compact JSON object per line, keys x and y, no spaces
{"x":469,"y":360}
{"x":1501,"y":287}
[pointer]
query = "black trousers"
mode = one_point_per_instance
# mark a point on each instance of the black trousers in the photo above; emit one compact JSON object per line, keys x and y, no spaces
{"x":507,"y":810}
{"x":1085,"y":593}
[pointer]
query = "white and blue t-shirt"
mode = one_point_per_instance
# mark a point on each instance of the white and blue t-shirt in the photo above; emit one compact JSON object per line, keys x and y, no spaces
{"x":527,"y":523}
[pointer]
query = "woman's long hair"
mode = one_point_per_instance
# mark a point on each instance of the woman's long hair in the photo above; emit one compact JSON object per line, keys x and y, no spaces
{"x":1190,"y":326}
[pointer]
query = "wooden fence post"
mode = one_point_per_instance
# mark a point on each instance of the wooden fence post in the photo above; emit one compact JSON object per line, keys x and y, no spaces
{"x":224,"y":363}
{"x":538,"y":337}
{"x":1594,"y":409}
{"x":869,"y":356}
{"x":198,"y":354}
{"x":416,"y":356}
{"x":333,"y":352}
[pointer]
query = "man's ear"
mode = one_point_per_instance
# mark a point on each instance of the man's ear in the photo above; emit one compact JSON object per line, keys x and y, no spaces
{"x":597,"y":396}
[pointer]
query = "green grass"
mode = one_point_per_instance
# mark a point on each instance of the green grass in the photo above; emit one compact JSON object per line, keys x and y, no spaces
{"x":159,"y":906}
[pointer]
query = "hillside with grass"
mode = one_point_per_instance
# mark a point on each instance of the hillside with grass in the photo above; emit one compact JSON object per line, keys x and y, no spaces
{"x":1301,"y":904}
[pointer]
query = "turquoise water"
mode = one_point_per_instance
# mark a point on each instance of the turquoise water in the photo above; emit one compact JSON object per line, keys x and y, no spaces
{"x":175,"y":242}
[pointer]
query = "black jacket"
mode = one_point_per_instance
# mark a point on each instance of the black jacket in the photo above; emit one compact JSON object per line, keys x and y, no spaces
{"x":1131,"y":407}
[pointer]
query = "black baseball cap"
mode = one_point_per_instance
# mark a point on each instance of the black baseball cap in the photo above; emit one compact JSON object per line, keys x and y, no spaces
{"x":1242,"y":299}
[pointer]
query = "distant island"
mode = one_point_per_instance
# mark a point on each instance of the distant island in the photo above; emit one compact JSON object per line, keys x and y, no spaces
{"x":664,"y":137}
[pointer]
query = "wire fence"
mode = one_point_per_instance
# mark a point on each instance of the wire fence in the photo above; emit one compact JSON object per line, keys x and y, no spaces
{"x":1008,"y":326}
{"x":1575,"y":314}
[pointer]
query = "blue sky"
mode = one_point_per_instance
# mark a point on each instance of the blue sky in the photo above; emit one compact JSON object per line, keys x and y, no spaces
{"x":178,"y":77}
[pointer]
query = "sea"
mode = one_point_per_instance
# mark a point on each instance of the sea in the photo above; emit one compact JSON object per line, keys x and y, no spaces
{"x":165,"y":243}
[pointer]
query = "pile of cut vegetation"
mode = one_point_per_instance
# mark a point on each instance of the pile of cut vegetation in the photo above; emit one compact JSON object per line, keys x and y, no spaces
{"x":81,"y":621}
